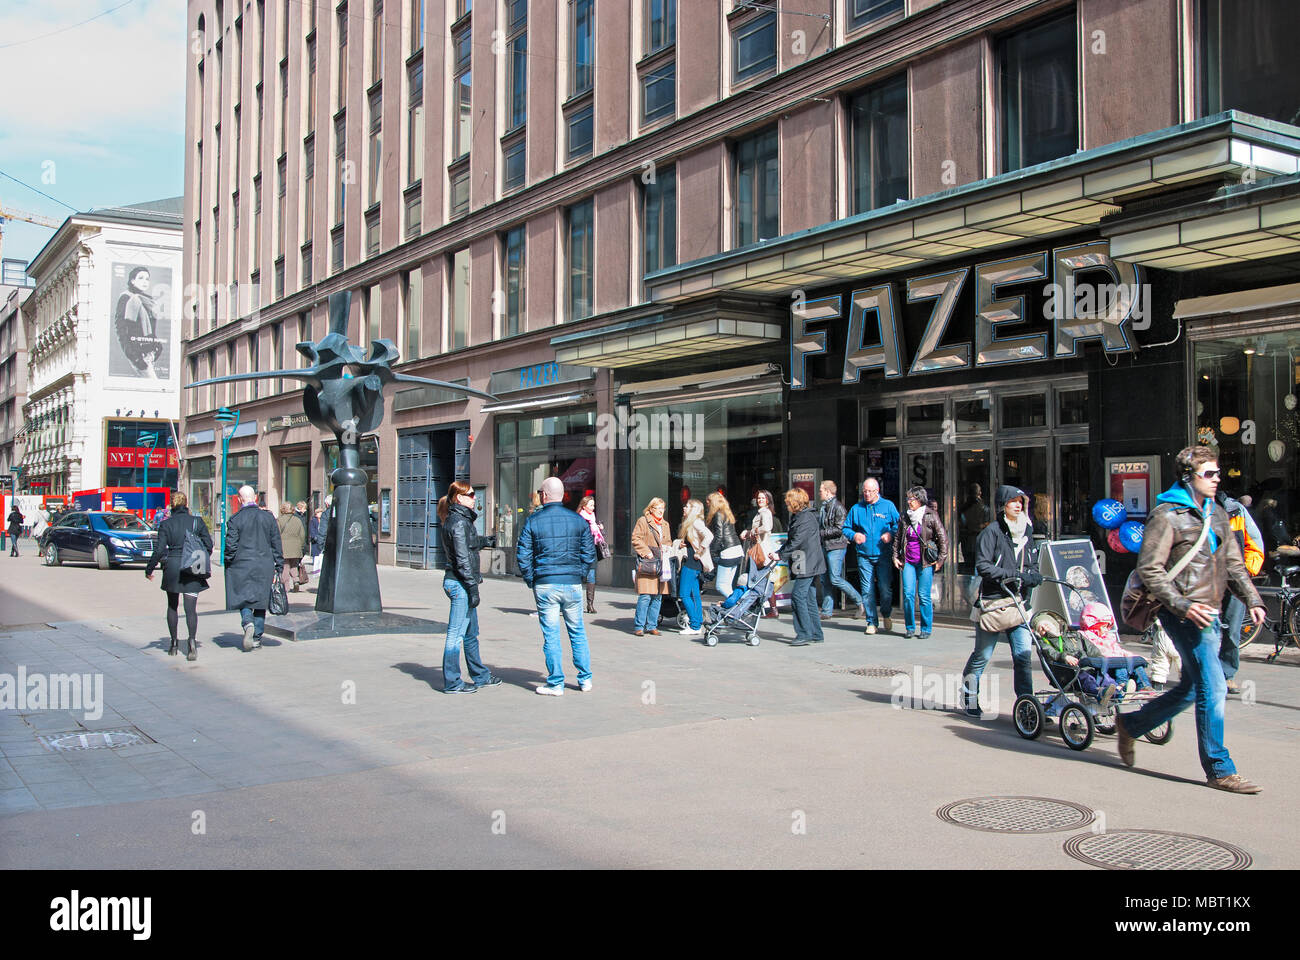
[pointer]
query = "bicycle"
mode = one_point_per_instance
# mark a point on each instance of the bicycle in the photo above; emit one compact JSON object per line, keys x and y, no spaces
{"x":1286,"y":628}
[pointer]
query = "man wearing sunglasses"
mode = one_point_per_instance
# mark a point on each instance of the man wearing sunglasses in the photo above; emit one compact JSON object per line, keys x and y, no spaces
{"x":1186,"y":519}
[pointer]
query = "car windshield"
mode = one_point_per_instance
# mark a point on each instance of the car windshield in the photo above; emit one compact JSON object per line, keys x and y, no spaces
{"x":127,"y":522}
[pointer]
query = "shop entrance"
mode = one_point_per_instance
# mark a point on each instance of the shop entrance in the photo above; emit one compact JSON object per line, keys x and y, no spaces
{"x":427,"y":463}
{"x":295,"y":474}
{"x":961,"y":446}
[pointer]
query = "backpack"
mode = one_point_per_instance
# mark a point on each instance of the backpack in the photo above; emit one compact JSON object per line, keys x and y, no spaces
{"x":194,"y":556}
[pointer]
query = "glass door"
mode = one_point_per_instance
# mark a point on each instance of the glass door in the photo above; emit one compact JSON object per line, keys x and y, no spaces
{"x":1025,"y":465}
{"x":928,"y":469}
{"x":973,"y":497}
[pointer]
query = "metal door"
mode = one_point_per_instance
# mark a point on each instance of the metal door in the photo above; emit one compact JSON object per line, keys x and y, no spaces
{"x":413,"y":503}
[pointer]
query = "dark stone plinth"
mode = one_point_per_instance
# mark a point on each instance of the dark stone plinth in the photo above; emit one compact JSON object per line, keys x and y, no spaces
{"x":349,"y":580}
{"x":316,"y":626}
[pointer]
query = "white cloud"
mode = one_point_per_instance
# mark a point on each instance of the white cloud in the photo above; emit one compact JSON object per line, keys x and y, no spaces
{"x":99,"y":83}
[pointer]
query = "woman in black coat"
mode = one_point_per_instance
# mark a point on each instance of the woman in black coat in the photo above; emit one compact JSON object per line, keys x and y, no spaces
{"x":460,"y":545}
{"x":178,"y":580}
{"x":15,"y":529}
{"x":803,"y":551}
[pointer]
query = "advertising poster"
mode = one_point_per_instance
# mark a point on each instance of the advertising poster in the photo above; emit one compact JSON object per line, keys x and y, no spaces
{"x":808,"y":481}
{"x":1134,"y":483}
{"x":1075,"y":562}
{"x":140,"y":345}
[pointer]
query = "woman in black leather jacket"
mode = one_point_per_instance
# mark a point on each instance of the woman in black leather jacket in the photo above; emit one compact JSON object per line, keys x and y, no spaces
{"x":725,"y":547}
{"x":460,"y":582}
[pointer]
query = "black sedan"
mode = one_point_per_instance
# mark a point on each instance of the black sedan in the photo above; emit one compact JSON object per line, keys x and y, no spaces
{"x":104,"y":538}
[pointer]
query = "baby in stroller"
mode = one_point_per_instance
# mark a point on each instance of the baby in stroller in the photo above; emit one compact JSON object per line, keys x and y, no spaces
{"x":1129,"y":670}
{"x":1072,"y":659}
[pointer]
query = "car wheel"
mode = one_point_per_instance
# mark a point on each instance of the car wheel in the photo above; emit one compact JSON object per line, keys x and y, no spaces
{"x":52,"y":558}
{"x":101,"y":557}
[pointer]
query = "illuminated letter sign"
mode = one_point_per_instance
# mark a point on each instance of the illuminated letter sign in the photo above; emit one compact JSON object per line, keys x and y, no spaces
{"x":990,"y":312}
{"x":888,"y":352}
{"x":805,"y":343}
{"x":943,"y":289}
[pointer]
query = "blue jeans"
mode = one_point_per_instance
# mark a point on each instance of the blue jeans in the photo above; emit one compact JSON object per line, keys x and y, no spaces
{"x":876,"y":575}
{"x":1121,"y":669}
{"x":647,"y":611}
{"x":553,"y":601}
{"x":835,"y":578}
{"x":688,"y":591}
{"x":1229,"y":654}
{"x":256,"y":617}
{"x":803,"y":598}
{"x":918,"y":578}
{"x":1022,"y":656}
{"x":462,"y":630}
{"x":1200,"y":682}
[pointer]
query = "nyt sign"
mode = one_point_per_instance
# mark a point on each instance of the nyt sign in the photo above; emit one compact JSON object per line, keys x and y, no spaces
{"x":1090,"y":297}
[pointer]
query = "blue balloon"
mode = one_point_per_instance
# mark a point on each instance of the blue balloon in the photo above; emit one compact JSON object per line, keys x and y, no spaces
{"x":1109,"y":514}
{"x":1130,"y":534}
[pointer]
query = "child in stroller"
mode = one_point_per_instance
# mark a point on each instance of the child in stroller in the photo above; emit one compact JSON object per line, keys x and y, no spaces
{"x":1071,"y":658}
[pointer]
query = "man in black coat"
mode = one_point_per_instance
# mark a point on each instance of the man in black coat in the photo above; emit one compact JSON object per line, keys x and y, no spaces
{"x":178,"y":579}
{"x":253,"y":558}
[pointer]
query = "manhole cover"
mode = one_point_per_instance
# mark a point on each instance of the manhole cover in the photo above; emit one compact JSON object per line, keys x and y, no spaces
{"x":94,"y":739}
{"x":1016,"y":814}
{"x":872,"y":671}
{"x":1155,"y":850}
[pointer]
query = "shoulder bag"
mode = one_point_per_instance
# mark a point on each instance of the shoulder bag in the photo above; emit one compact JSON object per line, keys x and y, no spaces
{"x":279,"y":603}
{"x":999,"y":614}
{"x":651,"y":566}
{"x":1138,"y":606}
{"x":194,"y":557}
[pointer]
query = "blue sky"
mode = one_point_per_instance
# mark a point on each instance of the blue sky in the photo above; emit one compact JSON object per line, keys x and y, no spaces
{"x":95,"y":115}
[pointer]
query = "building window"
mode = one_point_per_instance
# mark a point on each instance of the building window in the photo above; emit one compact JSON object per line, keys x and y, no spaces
{"x":660,"y":25}
{"x":311,"y":83}
{"x":252,"y":365}
{"x":580,"y":232}
{"x":336,"y":249}
{"x":281,"y":202}
{"x":458,"y":177}
{"x":513,"y":158}
{"x":1245,"y":61}
{"x":239,"y":136}
{"x":582,"y":50}
{"x":412,"y":308}
{"x":659,"y":92}
{"x":375,"y":159}
{"x":417,"y":25}
{"x":660,"y":219}
{"x":277,"y":354}
{"x":306,"y":264}
{"x":517,"y":64}
{"x":372,"y":233}
{"x":308,"y":187}
{"x":414,"y":208}
{"x":257,"y":222}
{"x":377,"y":43}
{"x":459,"y":296}
{"x":341,"y":173}
{"x":580,"y":128}
{"x":461,"y":120}
{"x":1039,"y":93}
{"x":878,"y":119}
{"x":415,"y":122}
{"x":375,"y":310}
{"x":758,"y":188}
{"x":862,"y":12}
{"x":279,"y":278}
{"x":341,"y":87}
{"x":753,"y":47}
{"x":232,"y":388}
{"x":513,"y":263}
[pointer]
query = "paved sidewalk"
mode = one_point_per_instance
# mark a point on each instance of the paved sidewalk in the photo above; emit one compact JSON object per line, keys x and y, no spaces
{"x":335,"y":753}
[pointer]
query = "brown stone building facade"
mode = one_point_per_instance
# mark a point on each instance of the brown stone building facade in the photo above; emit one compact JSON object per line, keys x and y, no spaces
{"x":647,"y":226}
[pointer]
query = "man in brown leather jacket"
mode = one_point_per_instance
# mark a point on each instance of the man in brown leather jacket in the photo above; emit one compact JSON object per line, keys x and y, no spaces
{"x":1190,"y":613}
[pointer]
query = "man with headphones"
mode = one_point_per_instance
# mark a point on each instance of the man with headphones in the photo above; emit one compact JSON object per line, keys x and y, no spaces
{"x":1185,"y":520}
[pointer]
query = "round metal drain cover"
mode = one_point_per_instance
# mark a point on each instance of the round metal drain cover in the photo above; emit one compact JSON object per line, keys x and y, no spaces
{"x":1155,"y":850}
{"x":1016,"y":814}
{"x":97,"y":740}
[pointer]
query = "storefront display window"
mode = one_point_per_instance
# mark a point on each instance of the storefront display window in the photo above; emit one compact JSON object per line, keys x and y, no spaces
{"x":1246,"y":407}
{"x":733,"y":443}
{"x":202,"y":474}
{"x":533,"y":448}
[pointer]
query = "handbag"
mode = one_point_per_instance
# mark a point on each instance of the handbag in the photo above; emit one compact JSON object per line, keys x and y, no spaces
{"x":279,"y":603}
{"x":1138,"y":606}
{"x":602,"y":550}
{"x":758,"y":556}
{"x":999,"y":614}
{"x":651,"y":566}
{"x":194,"y":557}
{"x":930,"y":553}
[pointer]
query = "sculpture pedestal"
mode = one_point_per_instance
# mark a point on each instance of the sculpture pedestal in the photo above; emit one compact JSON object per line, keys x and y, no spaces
{"x":349,"y":579}
{"x":314,"y":626}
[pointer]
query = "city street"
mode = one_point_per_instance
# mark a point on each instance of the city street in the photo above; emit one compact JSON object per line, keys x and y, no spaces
{"x":344,"y":753}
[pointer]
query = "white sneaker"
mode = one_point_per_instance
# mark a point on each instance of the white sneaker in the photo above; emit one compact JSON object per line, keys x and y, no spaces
{"x":1131,"y":686}
{"x":585,"y":686}
{"x":688,"y":632}
{"x":248,"y":636}
{"x":871,"y":629}
{"x":889,"y":624}
{"x":547,"y":690}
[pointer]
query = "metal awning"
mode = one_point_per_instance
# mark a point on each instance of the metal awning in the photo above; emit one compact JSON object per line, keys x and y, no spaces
{"x":538,"y":403}
{"x":1243,"y":301}
{"x":666,"y":337}
{"x":1058,"y":197}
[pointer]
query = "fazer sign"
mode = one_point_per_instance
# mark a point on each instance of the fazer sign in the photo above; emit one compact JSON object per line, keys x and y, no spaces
{"x":1090,"y":297}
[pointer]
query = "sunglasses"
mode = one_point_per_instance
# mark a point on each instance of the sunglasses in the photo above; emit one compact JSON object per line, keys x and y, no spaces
{"x":1209,"y":474}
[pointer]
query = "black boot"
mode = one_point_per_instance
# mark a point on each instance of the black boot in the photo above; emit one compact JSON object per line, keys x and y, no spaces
{"x":172,"y":651}
{"x":194,"y":650}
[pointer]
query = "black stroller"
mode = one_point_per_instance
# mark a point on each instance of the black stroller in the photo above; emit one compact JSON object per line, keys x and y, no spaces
{"x":743,"y":617}
{"x":671,"y":608}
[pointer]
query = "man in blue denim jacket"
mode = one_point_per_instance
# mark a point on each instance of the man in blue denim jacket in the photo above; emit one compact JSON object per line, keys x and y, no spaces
{"x":556,"y":554}
{"x":869,"y":527}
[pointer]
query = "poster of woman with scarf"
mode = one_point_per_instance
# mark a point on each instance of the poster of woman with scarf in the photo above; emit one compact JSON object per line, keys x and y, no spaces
{"x":143,"y":342}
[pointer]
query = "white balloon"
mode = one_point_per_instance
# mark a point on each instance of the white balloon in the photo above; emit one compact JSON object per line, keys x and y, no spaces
{"x":1276,"y":449}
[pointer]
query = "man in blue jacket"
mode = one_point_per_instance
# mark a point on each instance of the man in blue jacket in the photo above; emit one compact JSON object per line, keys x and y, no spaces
{"x":869,"y":527}
{"x":556,"y":553}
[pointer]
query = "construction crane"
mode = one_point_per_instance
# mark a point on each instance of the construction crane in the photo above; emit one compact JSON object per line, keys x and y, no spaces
{"x":8,"y":213}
